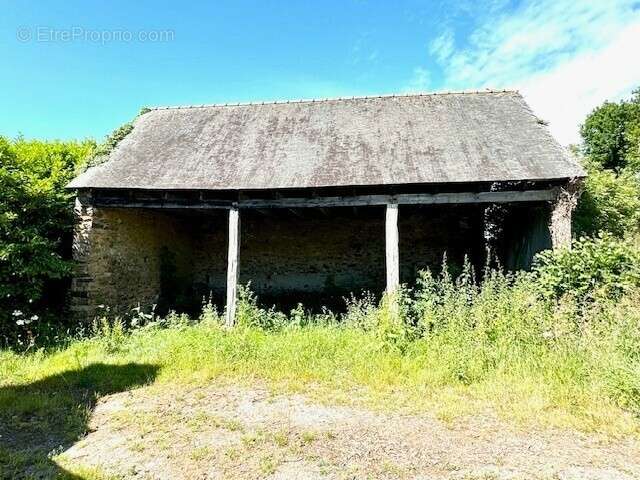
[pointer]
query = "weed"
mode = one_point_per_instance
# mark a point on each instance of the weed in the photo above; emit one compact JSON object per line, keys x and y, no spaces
{"x":308,"y":437}
{"x":281,"y":438}
{"x":200,"y":453}
{"x":268,"y":464}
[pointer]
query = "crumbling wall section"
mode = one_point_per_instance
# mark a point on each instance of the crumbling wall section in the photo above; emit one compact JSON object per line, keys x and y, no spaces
{"x":562,"y":209}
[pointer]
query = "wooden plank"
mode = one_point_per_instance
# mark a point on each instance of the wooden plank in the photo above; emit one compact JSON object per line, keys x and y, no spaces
{"x":392,"y":247}
{"x":350,"y":201}
{"x":233,"y":265}
{"x":406,"y":199}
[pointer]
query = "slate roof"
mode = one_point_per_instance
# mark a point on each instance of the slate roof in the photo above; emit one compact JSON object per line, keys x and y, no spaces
{"x":390,"y":140}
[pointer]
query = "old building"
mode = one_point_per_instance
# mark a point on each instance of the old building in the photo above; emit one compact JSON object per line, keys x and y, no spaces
{"x":315,"y":199}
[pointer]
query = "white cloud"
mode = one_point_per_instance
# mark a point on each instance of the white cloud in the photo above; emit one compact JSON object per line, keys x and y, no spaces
{"x":419,"y":81}
{"x":567,"y":93}
{"x":442,"y":46}
{"x":566,"y":56}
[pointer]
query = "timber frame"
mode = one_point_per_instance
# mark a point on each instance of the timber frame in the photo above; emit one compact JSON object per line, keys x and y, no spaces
{"x":553,"y":193}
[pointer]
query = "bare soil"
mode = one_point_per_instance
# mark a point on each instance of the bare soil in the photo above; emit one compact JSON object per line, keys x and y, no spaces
{"x":220,"y":432}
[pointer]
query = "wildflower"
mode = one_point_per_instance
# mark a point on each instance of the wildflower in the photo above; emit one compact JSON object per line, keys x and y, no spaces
{"x":17,"y":313}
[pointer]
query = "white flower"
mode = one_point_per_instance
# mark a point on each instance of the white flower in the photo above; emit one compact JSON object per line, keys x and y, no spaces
{"x":20,"y":322}
{"x":34,"y":318}
{"x":17,"y":313}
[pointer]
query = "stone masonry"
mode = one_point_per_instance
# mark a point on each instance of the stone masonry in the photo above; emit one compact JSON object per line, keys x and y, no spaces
{"x":307,"y":255}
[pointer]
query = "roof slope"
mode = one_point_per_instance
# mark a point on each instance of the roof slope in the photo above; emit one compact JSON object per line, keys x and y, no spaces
{"x":436,"y":138}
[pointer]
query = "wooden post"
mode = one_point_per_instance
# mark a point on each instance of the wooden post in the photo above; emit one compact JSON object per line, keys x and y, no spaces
{"x":391,"y":244}
{"x":233,"y":264}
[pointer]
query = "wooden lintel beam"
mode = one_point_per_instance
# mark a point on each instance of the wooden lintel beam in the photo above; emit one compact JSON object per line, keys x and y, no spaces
{"x":348,"y":201}
{"x":406,"y":199}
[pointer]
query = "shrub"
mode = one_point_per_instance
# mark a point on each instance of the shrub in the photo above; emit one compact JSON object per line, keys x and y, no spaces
{"x":594,"y":267}
{"x":36,"y":219}
{"x":610,"y":203}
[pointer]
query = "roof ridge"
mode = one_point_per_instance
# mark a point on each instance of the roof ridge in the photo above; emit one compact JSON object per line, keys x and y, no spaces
{"x":334,"y":99}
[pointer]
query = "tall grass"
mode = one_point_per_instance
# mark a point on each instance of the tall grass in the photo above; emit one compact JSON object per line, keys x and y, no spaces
{"x":450,"y":346}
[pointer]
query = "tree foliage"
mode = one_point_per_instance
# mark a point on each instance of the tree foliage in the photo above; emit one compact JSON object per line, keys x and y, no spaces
{"x":611,"y":147}
{"x":611,"y":133}
{"x":101,"y":151}
{"x":36,"y":218}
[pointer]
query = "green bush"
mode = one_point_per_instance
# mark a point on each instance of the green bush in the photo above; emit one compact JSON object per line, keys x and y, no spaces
{"x":594,"y":267}
{"x":611,"y":146}
{"x":36,"y":218}
{"x":609,"y":203}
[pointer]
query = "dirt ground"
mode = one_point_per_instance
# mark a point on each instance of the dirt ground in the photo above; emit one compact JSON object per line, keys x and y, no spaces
{"x":229,"y":432}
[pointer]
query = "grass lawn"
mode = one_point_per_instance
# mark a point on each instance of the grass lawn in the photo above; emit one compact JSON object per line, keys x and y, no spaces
{"x":483,"y":359}
{"x":46,"y":398}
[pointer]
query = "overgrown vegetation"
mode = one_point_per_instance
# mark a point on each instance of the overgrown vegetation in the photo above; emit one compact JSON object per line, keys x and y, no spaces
{"x":595,"y":268}
{"x":102,"y":151}
{"x":452,"y":346}
{"x":36,"y":225}
{"x":611,"y":155}
{"x":36,"y":221}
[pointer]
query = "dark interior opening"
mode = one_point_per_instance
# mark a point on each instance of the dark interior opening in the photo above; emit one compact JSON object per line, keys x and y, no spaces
{"x":313,"y":256}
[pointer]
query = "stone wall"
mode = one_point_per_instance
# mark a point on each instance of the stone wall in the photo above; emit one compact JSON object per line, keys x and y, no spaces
{"x":319,"y":256}
{"x":118,"y":258}
{"x":310,"y":255}
{"x":560,"y":220}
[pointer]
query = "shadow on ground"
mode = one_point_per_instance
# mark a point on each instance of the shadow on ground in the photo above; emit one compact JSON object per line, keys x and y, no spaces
{"x":42,"y":419}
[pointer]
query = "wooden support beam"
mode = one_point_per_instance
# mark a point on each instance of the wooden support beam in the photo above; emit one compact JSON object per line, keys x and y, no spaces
{"x":233,"y":265}
{"x":406,"y":199}
{"x":392,"y":248}
{"x":344,"y":201}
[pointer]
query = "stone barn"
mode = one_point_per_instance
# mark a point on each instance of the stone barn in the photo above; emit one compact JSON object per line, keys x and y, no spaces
{"x":311,"y":200}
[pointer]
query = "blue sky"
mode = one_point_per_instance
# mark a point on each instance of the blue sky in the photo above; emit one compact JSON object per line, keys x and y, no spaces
{"x":74,"y":69}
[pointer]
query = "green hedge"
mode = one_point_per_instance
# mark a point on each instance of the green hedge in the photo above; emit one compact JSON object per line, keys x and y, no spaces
{"x":36,"y":218}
